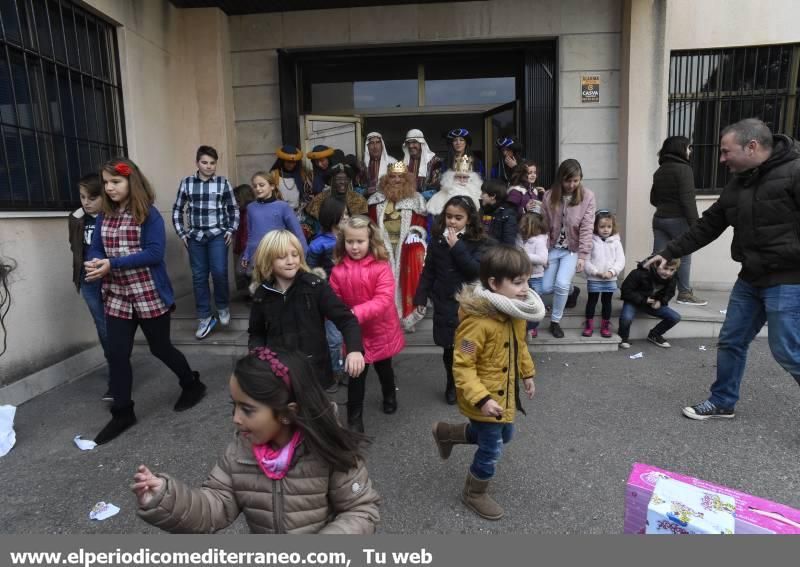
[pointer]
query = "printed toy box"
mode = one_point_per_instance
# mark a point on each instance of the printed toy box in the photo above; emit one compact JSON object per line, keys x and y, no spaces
{"x":752,"y":516}
{"x":677,"y":508}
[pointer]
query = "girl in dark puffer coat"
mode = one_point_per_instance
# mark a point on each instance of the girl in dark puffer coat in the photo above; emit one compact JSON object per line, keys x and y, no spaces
{"x":453,"y":260}
{"x":289,"y":469}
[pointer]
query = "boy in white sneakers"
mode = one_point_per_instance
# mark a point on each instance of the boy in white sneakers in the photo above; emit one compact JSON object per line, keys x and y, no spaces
{"x":213,"y":217}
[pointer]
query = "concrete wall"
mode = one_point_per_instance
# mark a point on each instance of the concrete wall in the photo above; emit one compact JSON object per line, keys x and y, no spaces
{"x":588,"y":33}
{"x":176,"y":78}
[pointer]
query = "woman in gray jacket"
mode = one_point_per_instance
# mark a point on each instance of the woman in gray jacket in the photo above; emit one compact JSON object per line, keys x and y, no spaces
{"x":673,"y":196}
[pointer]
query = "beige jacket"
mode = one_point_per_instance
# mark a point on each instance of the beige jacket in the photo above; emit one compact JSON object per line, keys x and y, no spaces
{"x":311,"y":498}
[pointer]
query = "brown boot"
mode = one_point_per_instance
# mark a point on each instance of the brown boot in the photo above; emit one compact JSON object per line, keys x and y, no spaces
{"x":475,"y":497}
{"x":448,"y":434}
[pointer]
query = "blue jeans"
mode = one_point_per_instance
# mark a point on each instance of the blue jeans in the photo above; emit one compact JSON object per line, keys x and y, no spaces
{"x":92,"y":295}
{"x":490,"y":438}
{"x":669,"y":318}
{"x":557,"y":279}
{"x":335,"y":341}
{"x":749,"y":308}
{"x":536,"y":285}
{"x":666,"y":229}
{"x":209,"y":256}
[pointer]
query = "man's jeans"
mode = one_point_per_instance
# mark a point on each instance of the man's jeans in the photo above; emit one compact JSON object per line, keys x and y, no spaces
{"x":209,"y":256}
{"x":748,"y":308}
{"x":92,"y":295}
{"x":669,"y":318}
{"x":490,"y":438}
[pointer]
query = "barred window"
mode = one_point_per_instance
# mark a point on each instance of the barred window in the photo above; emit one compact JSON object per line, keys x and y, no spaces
{"x":712,"y":88}
{"x":60,"y":101}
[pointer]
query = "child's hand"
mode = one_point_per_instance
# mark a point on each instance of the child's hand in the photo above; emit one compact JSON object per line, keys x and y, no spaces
{"x":145,"y":485}
{"x":451,"y":236}
{"x":228,"y":238}
{"x":354,"y":364}
{"x":530,"y":387}
{"x":608,"y":275}
{"x":650,"y":301}
{"x":579,"y":266}
{"x":656,"y":304}
{"x":185,"y":241}
{"x":244,"y":263}
{"x":421,"y":309}
{"x":491,"y":409}
{"x":97,"y":269}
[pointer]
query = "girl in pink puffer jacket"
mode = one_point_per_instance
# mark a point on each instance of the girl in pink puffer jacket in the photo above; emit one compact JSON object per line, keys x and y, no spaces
{"x":363,"y":279}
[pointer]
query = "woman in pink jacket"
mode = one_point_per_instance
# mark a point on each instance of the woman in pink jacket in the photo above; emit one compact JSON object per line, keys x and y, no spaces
{"x":363,"y":279}
{"x":568,"y":207}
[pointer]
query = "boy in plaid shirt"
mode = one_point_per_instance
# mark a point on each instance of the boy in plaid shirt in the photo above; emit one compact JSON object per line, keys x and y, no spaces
{"x":213,"y":217}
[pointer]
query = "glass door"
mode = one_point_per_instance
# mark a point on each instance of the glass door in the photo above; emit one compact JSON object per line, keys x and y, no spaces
{"x":339,"y":132}
{"x":499,"y":122}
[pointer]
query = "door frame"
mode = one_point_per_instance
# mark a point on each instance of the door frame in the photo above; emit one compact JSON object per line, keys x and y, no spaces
{"x":488,"y":143}
{"x":305,"y":120}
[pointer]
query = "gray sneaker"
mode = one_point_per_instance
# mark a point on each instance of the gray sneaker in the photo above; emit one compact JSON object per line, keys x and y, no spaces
{"x":688,"y":298}
{"x":205,"y":326}
{"x":224,"y":317}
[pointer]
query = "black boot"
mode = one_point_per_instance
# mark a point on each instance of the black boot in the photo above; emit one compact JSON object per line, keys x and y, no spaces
{"x":355,"y":421}
{"x":572,"y":298}
{"x":390,"y":401}
{"x":191,"y":394}
{"x":121,"y":419}
{"x":450,"y":391}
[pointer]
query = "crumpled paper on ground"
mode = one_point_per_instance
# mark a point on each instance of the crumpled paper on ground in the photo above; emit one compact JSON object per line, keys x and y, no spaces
{"x":84,"y":444}
{"x":103,"y":510}
{"x":637,"y":355}
{"x":7,"y":435}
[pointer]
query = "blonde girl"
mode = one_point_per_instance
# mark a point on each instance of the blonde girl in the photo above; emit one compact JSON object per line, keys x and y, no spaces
{"x":290,"y":305}
{"x":533,"y":239}
{"x":268,"y":212}
{"x":127,"y":255}
{"x":363,"y":279}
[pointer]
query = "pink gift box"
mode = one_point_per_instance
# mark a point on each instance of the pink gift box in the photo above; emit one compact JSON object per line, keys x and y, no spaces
{"x":753,"y":515}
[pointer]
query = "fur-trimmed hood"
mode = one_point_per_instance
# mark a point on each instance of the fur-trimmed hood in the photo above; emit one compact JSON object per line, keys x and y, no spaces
{"x":472,"y":304}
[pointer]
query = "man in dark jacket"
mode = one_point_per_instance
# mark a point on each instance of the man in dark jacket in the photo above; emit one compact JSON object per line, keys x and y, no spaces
{"x":762,"y":204}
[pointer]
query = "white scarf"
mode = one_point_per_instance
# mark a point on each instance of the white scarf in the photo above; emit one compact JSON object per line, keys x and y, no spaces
{"x":426,"y":154}
{"x":386,"y":159}
{"x":532,"y":309}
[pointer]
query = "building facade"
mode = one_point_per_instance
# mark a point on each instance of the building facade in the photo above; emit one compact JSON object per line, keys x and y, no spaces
{"x":602,"y":81}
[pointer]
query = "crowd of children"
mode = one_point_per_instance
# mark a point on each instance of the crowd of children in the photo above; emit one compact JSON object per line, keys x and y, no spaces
{"x":322,"y":311}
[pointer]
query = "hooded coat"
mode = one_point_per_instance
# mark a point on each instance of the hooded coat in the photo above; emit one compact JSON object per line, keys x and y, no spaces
{"x":311,"y":499}
{"x":490,"y":358}
{"x":763,"y":207}
{"x":643,"y":283}
{"x":607,"y":256}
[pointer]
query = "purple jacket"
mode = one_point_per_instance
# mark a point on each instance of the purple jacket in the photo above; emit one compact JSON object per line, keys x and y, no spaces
{"x":519,"y":196}
{"x":267,"y":216}
{"x":580,"y":223}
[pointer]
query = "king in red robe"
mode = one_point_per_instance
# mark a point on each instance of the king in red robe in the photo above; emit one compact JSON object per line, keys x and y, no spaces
{"x":399,"y":212}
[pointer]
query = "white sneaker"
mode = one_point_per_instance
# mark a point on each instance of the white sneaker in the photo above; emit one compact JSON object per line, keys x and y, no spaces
{"x":224,"y":316}
{"x":624,"y":344}
{"x":205,"y":326}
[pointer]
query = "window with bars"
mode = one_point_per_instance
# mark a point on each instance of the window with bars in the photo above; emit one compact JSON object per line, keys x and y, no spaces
{"x":60,"y":102}
{"x":712,"y":88}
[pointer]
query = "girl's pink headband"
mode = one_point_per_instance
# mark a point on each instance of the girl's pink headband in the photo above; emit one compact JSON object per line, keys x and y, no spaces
{"x":278,"y":368}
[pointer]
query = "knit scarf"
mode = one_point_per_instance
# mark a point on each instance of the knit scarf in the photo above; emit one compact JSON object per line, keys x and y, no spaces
{"x":275,"y":462}
{"x":531,"y":309}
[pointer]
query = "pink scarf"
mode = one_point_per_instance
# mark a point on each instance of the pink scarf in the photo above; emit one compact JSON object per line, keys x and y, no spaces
{"x":275,"y":463}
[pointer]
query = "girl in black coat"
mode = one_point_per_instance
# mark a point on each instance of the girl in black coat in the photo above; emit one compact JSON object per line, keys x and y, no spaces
{"x":453,"y":259}
{"x":290,"y":306}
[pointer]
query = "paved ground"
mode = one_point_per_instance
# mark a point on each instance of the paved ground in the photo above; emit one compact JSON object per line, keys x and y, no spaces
{"x":593,"y":416}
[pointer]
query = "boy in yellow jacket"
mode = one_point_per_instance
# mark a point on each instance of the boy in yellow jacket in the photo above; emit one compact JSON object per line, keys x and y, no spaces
{"x":491,"y":357}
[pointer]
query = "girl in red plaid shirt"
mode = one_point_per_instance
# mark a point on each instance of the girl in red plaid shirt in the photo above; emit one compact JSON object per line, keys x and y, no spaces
{"x":127,"y":254}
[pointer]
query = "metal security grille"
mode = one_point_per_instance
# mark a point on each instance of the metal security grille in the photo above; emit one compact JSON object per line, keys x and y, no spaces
{"x":60,"y":101}
{"x":712,"y":88}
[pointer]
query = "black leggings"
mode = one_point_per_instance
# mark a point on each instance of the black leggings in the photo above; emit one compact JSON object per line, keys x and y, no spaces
{"x":605,"y":299}
{"x":357,"y":387}
{"x":120,"y":342}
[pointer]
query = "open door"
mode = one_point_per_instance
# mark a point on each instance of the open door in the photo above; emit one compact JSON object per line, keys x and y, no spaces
{"x":498,"y":122}
{"x":340,"y":132}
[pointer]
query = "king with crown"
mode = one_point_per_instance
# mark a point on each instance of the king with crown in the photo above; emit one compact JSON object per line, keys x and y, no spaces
{"x":399,"y":212}
{"x":459,"y":180}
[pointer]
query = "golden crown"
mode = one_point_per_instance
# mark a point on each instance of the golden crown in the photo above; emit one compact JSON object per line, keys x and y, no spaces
{"x":462,"y":164}
{"x":397,"y":167}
